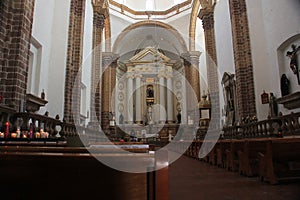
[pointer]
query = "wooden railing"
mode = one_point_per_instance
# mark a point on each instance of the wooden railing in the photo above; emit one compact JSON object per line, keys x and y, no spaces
{"x":55,"y":128}
{"x":285,"y":125}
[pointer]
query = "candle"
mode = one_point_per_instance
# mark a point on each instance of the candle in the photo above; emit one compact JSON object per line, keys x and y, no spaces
{"x":38,"y":135}
{"x":18,"y":133}
{"x":6,"y":133}
{"x":31,"y":130}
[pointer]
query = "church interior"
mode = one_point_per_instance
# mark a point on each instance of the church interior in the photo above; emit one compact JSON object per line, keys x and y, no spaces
{"x":154,"y":100}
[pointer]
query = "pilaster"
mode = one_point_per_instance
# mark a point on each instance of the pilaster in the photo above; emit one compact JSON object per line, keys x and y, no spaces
{"x":242,"y":58}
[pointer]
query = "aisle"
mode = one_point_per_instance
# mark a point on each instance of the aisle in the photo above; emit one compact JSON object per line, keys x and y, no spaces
{"x":195,"y":180}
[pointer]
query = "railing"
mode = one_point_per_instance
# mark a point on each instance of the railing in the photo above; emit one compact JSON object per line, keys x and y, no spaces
{"x":22,"y":121}
{"x":50,"y":125}
{"x":285,"y":125}
{"x":232,"y":132}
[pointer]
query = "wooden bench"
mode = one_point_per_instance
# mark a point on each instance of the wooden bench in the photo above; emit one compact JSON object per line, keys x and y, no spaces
{"x":73,"y":173}
{"x":213,"y":153}
{"x":281,"y":160}
{"x":221,"y":152}
{"x":232,"y":154}
{"x":248,"y":156}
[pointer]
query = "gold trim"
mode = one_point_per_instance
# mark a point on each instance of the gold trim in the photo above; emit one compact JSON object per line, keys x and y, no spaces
{"x":150,"y":22}
{"x":165,"y":12}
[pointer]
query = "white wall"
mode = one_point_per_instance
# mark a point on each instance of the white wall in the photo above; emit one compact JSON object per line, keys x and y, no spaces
{"x":50,"y":29}
{"x":41,"y":31}
{"x":271,"y":22}
{"x":181,"y":24}
{"x":117,"y":26}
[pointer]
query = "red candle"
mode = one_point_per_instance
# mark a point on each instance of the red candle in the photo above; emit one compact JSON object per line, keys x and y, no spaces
{"x":6,"y":133}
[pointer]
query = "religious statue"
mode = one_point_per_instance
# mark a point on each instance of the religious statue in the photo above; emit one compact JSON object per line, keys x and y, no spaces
{"x":273,"y":106}
{"x":145,"y":121}
{"x":285,"y":85}
{"x":150,"y":92}
{"x":293,"y":63}
{"x":121,"y":119}
{"x":149,"y":115}
{"x":179,"y":118}
{"x":57,"y":117}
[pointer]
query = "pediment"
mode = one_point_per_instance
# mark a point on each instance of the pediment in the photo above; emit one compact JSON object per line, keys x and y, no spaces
{"x":149,"y":54}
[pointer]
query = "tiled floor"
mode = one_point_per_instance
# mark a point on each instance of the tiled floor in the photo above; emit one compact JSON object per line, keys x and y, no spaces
{"x":195,"y":180}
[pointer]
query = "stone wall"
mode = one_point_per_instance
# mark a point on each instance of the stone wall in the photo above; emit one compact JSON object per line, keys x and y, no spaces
{"x":16,"y":18}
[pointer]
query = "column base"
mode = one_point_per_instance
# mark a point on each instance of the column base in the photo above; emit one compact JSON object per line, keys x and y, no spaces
{"x":105,"y":121}
{"x":94,"y":126}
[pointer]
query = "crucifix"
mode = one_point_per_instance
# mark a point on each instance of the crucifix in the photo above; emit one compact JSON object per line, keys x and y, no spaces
{"x":294,"y":63}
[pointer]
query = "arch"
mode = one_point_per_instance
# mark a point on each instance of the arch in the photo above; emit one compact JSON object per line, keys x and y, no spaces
{"x":193,"y":22}
{"x":107,"y":34}
{"x":284,"y":62}
{"x":287,"y":42}
{"x":149,"y":23}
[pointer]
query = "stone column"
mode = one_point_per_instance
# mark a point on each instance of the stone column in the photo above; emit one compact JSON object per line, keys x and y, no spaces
{"x":194,"y":71}
{"x":138,"y":103}
{"x":74,"y":62}
{"x":95,"y":106}
{"x":16,"y":18}
{"x":109,"y":66}
{"x":170,"y":100}
{"x":162,"y":100}
{"x":206,"y":14}
{"x":130,"y":99}
{"x":191,"y":64}
{"x":242,"y":59}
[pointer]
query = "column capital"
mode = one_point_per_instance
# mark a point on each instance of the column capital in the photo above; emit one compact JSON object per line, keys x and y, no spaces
{"x":137,"y":75}
{"x":108,"y":58}
{"x":192,"y":57}
{"x":130,"y":76}
{"x":207,"y":17}
{"x":208,"y":7}
{"x":101,"y":7}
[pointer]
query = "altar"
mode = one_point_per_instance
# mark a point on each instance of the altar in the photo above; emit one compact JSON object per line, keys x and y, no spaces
{"x":149,"y":89}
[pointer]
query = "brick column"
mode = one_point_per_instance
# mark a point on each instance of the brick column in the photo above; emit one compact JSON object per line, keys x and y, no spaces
{"x":191,"y":64}
{"x":95,"y":107}
{"x":74,"y":62}
{"x":16,"y":18}
{"x":207,"y":17}
{"x":242,"y":58}
{"x":109,"y":66}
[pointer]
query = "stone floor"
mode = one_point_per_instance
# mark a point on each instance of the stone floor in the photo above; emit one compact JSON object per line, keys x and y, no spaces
{"x":195,"y":180}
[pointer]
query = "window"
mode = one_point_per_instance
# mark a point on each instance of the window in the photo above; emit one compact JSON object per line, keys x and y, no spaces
{"x":34,"y":71}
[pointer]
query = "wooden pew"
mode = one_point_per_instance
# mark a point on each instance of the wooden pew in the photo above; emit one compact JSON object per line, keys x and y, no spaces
{"x":232,"y":154}
{"x":73,"y":173}
{"x":221,"y":152}
{"x":213,"y":154}
{"x":248,"y":156}
{"x":281,"y":161}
